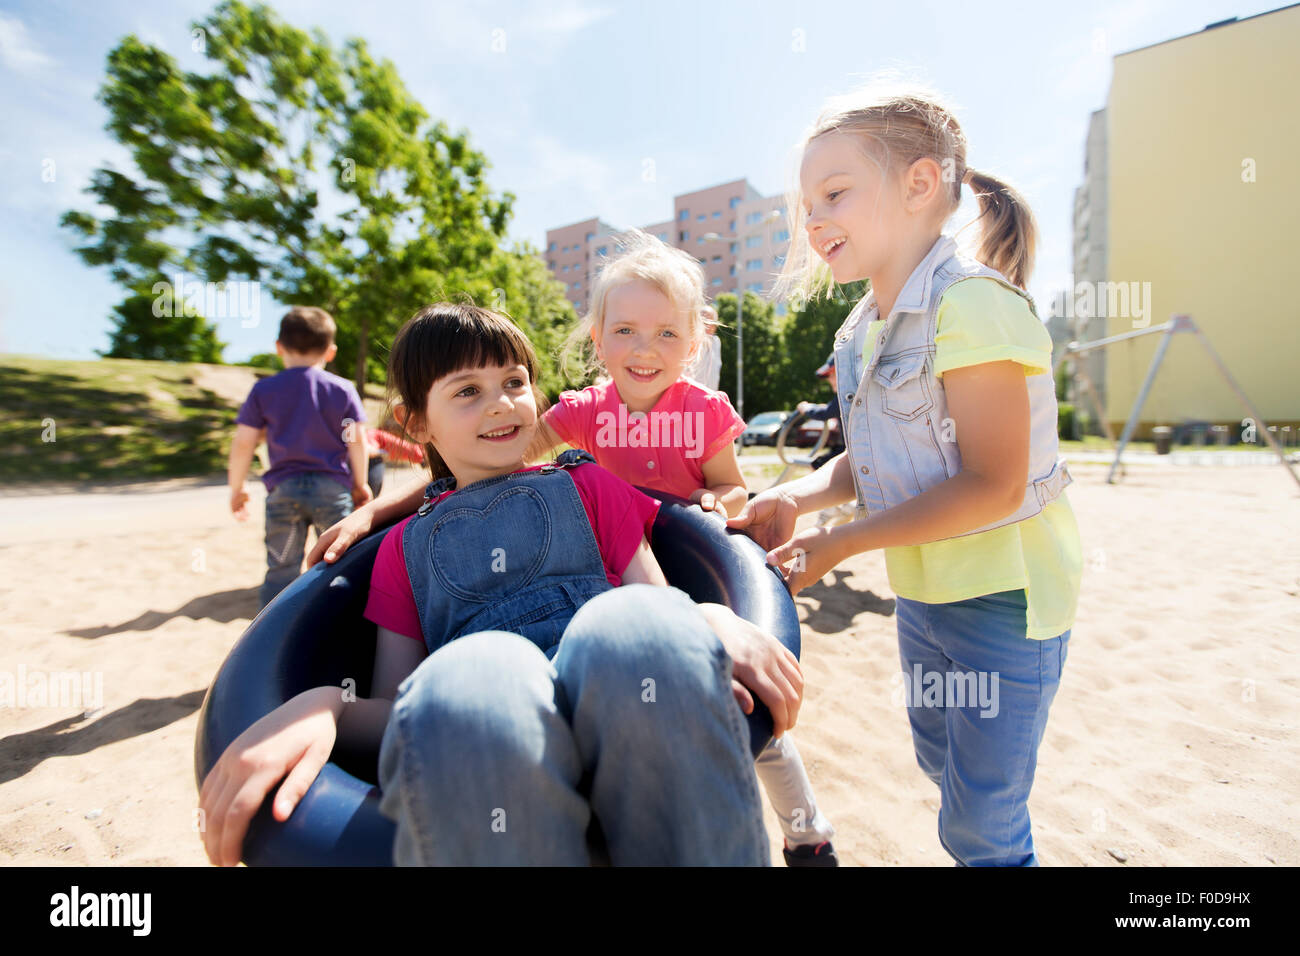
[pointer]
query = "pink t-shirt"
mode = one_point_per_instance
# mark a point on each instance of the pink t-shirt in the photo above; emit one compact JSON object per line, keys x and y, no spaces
{"x":620,"y":517}
{"x":664,"y":451}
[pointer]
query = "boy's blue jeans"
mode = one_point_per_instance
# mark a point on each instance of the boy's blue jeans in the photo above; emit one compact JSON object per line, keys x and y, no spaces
{"x":292,"y":505}
{"x":976,"y":726}
{"x":495,"y":755}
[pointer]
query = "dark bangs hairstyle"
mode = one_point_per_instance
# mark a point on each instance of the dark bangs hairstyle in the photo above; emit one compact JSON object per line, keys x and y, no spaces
{"x":445,"y":338}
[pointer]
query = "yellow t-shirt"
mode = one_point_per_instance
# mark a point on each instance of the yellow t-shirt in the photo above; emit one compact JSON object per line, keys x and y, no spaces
{"x":981,"y":321}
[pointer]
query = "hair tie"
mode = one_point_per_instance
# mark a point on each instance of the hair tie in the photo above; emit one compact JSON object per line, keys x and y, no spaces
{"x":966,"y":176}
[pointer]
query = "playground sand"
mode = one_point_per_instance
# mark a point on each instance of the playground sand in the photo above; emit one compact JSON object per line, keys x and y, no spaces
{"x":1172,"y":740}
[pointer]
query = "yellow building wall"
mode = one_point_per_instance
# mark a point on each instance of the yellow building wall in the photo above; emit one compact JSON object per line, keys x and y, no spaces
{"x":1183,"y":117}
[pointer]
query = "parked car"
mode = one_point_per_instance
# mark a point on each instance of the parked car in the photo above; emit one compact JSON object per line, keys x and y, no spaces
{"x":763,"y":428}
{"x":807,"y":433}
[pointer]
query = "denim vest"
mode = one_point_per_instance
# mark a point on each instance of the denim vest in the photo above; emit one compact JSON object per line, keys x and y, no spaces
{"x":894,"y":412}
{"x":511,"y":553}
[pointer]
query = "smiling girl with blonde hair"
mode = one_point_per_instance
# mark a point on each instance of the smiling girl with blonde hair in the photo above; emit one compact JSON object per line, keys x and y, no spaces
{"x":647,"y":323}
{"x":949,"y":417}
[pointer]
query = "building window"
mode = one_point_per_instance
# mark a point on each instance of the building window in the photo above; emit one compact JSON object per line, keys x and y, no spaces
{"x":717,"y":258}
{"x":577,"y":285}
{"x":684,"y":215}
{"x":602,"y":250}
{"x":699,"y":241}
{"x":781,"y":235}
{"x":662,"y":237}
{"x":755,"y":287}
{"x":701,"y":217}
{"x":716,"y":282}
{"x":564,"y":269}
{"x":551,"y":265}
{"x":683,"y":235}
{"x":753,"y":265}
{"x":551,"y":247}
{"x":717,"y":214}
{"x":778,"y":261}
{"x":590,"y":236}
{"x":733,"y":225}
{"x":733,"y":248}
{"x":735,"y":201}
{"x":753,"y":241}
{"x":753,"y":217}
{"x":733,"y":270}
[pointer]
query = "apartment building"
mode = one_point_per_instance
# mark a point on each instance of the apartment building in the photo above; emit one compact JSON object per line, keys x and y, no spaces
{"x":1083,"y":323}
{"x":706,"y":221}
{"x":1191,"y":194}
{"x":738,"y":235}
{"x":762,"y":240}
{"x":569,"y":253}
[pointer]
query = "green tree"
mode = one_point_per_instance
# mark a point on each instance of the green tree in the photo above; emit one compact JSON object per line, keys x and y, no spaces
{"x":310,"y":170}
{"x":782,"y":355}
{"x":524,"y":289}
{"x":140,"y":332}
{"x":808,"y":336}
{"x":266,"y":360}
{"x":130,"y":243}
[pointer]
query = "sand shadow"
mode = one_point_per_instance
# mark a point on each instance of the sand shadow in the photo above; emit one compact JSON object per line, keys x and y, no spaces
{"x":22,"y":752}
{"x":838,"y":605}
{"x":222,"y":607}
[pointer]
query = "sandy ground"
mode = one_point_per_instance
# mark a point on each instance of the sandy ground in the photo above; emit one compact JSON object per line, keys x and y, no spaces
{"x":1172,"y":740}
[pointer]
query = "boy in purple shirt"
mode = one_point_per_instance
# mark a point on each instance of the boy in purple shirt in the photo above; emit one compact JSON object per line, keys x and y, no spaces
{"x":311,"y":418}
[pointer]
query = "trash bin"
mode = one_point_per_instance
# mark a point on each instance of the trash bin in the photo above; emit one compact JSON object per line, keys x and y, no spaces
{"x":1163,"y":436}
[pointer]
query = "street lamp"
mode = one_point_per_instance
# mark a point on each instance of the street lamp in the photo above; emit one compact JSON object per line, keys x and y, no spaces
{"x":772,"y":214}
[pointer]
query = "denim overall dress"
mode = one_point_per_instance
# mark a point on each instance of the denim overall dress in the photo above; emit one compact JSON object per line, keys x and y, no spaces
{"x":512,"y":553}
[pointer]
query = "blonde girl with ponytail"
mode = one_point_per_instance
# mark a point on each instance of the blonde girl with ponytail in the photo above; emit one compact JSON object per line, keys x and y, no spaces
{"x":949,"y":413}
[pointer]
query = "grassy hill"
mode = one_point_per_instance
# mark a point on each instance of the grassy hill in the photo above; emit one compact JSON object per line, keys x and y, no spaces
{"x":119,"y":419}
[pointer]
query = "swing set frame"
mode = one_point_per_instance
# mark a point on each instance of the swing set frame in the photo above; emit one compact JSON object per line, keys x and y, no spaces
{"x":1177,"y":324}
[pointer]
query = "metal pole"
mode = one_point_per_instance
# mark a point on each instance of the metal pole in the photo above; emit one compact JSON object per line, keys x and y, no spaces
{"x":1142,"y":397}
{"x":740,"y":313}
{"x":1098,"y":343}
{"x":1185,"y":323}
{"x":740,"y":352}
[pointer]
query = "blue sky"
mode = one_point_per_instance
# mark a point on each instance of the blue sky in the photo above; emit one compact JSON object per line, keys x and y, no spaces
{"x":583,"y":93}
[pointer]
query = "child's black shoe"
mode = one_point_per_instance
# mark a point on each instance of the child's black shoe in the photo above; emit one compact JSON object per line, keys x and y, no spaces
{"x":811,"y":854}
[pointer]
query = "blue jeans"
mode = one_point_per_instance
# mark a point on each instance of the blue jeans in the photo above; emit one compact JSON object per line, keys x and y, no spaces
{"x":977,"y":724}
{"x":292,"y":505}
{"x":494,"y":755}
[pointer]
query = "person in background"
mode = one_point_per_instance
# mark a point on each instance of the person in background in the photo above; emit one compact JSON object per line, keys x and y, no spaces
{"x":707,"y":366}
{"x":828,"y":413}
{"x":312,"y":420}
{"x":381,"y":444}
